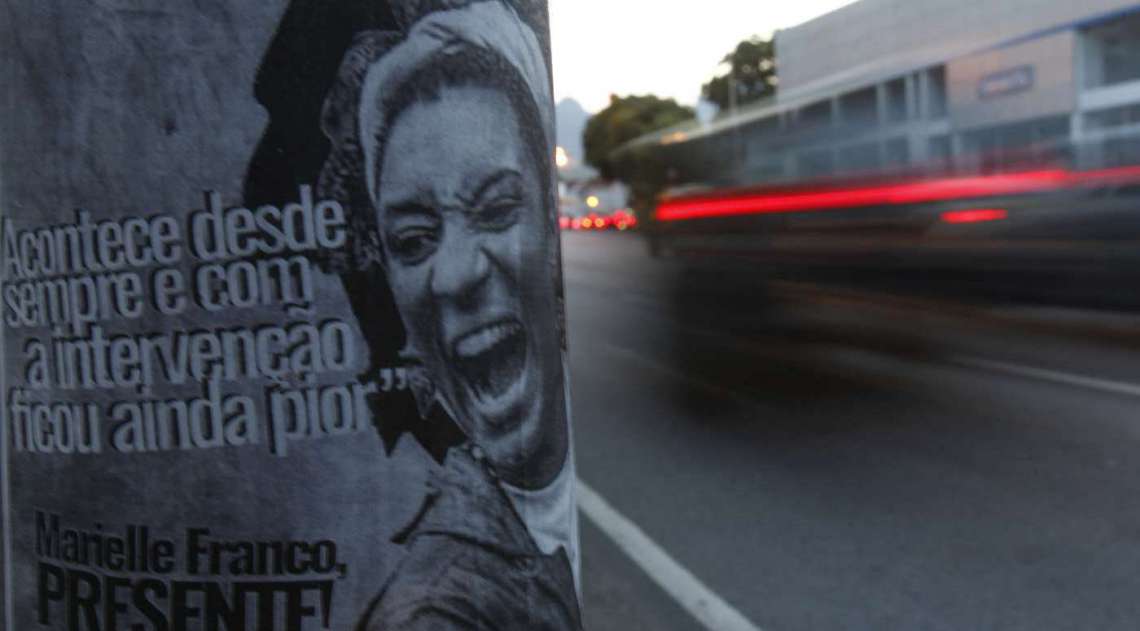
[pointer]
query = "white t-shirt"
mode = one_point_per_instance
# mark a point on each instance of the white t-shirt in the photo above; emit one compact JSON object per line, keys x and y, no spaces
{"x":551,"y":514}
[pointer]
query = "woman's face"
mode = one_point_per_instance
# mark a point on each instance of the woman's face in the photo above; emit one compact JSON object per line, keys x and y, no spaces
{"x":463,"y":221}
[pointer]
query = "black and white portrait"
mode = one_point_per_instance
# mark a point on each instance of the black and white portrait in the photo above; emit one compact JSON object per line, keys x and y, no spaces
{"x":442,"y":151}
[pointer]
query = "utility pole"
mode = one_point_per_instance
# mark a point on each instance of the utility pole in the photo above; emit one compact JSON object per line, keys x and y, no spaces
{"x":283,"y":340}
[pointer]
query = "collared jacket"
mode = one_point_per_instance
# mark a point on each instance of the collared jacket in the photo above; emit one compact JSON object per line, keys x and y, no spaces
{"x":471,"y":564}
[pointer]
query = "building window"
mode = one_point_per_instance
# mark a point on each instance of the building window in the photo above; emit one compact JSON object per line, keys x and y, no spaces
{"x":1017,"y":145}
{"x":896,"y":100}
{"x":817,"y":163}
{"x":896,"y":152}
{"x":768,"y":171}
{"x":764,"y":130}
{"x":814,"y":116}
{"x":1121,"y":152}
{"x":939,"y":149}
{"x":936,"y":92}
{"x":1112,"y":117}
{"x":1112,"y":52}
{"x":863,"y":157}
{"x":860,"y":107}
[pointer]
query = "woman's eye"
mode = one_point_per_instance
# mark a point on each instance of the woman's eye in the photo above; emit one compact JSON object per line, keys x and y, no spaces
{"x":499,"y":214}
{"x":412,"y":245}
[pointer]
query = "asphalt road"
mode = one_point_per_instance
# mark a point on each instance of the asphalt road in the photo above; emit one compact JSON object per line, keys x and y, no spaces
{"x":834,"y":459}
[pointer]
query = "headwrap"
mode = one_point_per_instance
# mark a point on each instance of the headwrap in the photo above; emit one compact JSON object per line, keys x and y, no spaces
{"x":379,"y":65}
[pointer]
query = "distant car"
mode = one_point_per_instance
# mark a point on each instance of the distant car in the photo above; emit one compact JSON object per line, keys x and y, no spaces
{"x":621,"y":219}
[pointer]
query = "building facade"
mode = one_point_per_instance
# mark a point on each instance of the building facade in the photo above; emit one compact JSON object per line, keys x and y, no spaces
{"x":899,"y":84}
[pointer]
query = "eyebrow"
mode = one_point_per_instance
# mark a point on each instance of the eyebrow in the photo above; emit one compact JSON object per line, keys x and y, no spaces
{"x":486,"y":183}
{"x":421,"y":202}
{"x":417,"y":203}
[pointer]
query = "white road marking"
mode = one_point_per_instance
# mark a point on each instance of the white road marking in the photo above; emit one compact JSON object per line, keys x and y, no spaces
{"x":1069,"y":379}
{"x":694,"y":596}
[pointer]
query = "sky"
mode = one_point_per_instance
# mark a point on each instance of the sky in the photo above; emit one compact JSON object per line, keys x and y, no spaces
{"x":663,"y":47}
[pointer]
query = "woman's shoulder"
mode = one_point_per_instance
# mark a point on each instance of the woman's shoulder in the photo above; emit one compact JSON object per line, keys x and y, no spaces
{"x":448,"y":583}
{"x":470,"y":563}
{"x":465,"y":502}
{"x":438,"y":579}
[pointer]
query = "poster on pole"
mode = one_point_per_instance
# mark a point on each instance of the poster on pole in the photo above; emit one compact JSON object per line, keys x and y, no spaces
{"x":283,"y":339}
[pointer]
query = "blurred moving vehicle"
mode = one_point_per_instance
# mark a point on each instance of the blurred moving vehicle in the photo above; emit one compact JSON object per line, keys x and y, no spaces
{"x":1049,"y":234}
{"x":997,"y":155}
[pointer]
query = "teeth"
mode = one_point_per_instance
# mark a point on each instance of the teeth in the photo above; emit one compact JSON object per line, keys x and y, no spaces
{"x":492,"y":359}
{"x":484,"y":340}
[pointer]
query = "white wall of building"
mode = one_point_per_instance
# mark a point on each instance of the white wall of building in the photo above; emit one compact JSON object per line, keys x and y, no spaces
{"x":1049,"y":64}
{"x":873,"y":36}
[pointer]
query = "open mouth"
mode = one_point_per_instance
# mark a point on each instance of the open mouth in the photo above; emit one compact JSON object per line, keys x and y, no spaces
{"x":491,"y":359}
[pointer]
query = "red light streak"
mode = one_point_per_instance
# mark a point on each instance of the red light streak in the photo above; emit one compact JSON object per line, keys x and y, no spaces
{"x":944,"y":189}
{"x":975,"y":215}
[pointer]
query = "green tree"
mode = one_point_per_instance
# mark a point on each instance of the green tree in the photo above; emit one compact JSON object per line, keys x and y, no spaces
{"x":752,"y":73}
{"x":623,"y":120}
